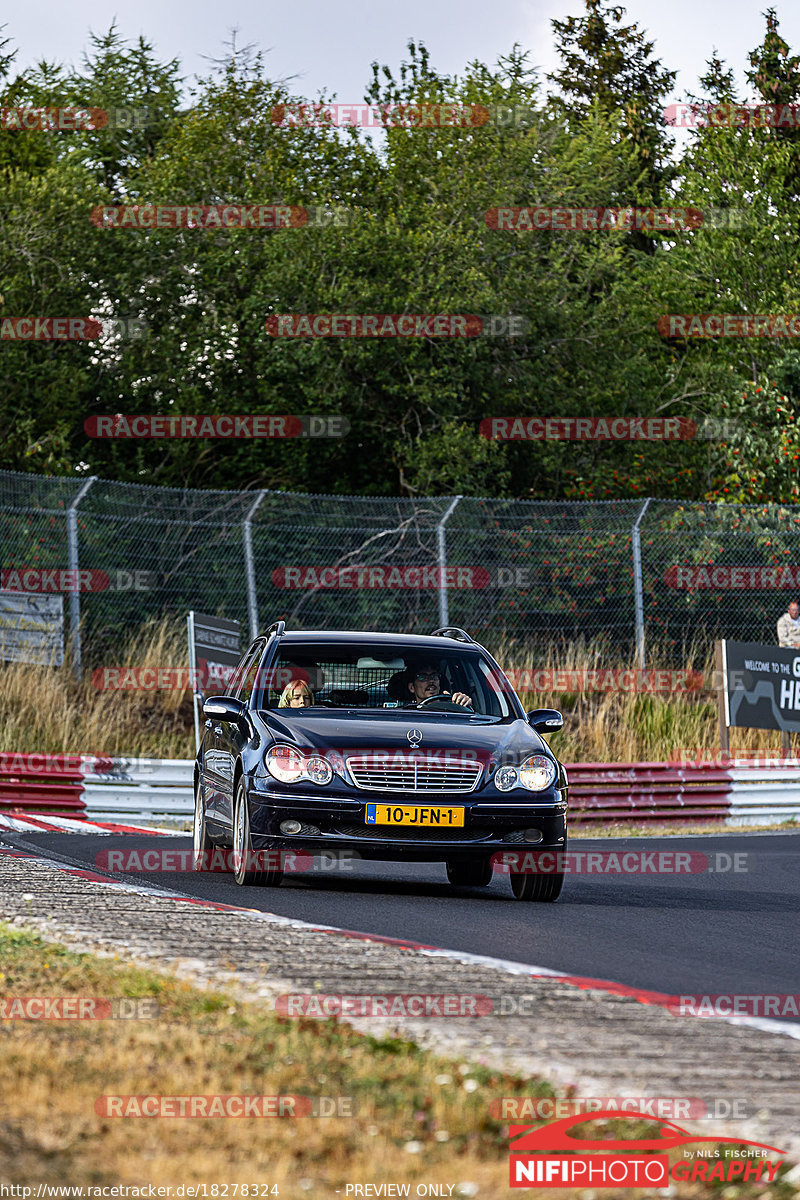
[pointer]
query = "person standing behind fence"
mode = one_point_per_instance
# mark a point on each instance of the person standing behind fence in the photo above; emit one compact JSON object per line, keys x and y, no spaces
{"x":789,"y":627}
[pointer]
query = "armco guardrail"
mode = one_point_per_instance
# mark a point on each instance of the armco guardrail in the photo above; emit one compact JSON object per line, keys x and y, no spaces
{"x":765,"y":794}
{"x":141,"y":787}
{"x":649,"y":791}
{"x":43,"y":783}
{"x":742,"y":793}
{"x":90,"y":785}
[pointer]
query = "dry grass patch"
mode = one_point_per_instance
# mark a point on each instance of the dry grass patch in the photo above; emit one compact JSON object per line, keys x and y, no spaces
{"x":418,"y":1118}
{"x":208,"y":1044}
{"x":46,"y":710}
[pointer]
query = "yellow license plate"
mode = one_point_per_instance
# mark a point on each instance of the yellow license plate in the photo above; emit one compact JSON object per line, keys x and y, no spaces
{"x":402,"y":814}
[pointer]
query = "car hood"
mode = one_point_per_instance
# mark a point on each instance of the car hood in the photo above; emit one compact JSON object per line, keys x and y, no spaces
{"x":348,"y":732}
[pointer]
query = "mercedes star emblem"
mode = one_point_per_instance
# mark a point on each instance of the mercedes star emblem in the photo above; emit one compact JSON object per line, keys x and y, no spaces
{"x":415,"y":737}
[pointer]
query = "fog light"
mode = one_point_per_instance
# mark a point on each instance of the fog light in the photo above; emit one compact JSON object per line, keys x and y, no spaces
{"x":290,"y":826}
{"x":533,"y":835}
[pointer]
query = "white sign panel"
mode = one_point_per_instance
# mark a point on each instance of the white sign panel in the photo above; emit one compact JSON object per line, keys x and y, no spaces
{"x":32,"y":628}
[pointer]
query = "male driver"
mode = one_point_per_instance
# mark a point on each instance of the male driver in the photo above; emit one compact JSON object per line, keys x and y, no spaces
{"x":425,"y":682}
{"x":789,"y":627}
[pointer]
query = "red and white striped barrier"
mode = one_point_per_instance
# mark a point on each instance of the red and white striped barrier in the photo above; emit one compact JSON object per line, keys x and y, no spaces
{"x":648,"y":791}
{"x":75,"y":787}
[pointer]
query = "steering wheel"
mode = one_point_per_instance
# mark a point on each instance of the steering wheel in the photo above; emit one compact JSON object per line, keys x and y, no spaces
{"x":443,"y":696}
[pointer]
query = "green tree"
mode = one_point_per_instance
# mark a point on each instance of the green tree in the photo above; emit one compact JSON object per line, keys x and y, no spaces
{"x":612,"y":65}
{"x":775,"y":74}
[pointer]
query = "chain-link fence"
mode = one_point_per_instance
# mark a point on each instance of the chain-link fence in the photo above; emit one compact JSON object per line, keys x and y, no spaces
{"x":527,"y":572}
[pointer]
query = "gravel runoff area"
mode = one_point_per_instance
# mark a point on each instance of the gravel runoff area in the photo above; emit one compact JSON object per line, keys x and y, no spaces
{"x":595,"y":1043}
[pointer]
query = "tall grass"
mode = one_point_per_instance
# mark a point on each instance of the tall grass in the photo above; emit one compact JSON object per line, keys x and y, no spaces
{"x":634,"y":726}
{"x":46,"y":710}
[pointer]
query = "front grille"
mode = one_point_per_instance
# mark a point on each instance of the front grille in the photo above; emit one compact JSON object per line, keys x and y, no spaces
{"x":401,"y":833}
{"x":376,"y":773}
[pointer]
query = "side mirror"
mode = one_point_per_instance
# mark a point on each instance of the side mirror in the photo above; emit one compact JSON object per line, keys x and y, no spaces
{"x":545,"y":720}
{"x":224,"y":708}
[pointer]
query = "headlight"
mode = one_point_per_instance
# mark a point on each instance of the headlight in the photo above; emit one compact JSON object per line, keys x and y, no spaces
{"x":318,"y":769}
{"x":285,"y":763}
{"x":289,"y":765}
{"x":535,"y":774}
{"x":505,"y":779}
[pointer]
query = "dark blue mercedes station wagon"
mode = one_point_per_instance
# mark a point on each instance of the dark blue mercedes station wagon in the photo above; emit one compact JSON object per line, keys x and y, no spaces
{"x":399,"y":747}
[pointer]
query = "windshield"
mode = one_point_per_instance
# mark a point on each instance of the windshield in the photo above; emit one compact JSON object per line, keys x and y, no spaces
{"x":383,"y":676}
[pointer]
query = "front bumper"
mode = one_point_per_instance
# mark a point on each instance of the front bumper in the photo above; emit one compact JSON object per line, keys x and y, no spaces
{"x":491,"y":825}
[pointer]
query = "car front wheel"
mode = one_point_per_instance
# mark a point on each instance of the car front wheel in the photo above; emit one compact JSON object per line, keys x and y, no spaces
{"x":202,"y":846}
{"x":248,"y":865}
{"x":544,"y":888}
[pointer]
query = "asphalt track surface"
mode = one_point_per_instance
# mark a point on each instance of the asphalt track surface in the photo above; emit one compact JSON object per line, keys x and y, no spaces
{"x":719,"y":931}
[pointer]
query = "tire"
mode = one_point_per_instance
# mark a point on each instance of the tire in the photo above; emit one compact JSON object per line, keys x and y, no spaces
{"x":244,"y":871}
{"x":202,"y":846}
{"x":544,"y":888}
{"x":471,"y":872}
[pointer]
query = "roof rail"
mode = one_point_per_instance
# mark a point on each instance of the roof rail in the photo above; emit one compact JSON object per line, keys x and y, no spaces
{"x":277,"y":627}
{"x":453,"y":631}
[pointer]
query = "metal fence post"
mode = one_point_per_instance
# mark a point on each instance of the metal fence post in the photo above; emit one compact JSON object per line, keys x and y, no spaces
{"x":72,"y":563}
{"x":638,"y":599}
{"x":249,"y":564}
{"x":441,"y":554}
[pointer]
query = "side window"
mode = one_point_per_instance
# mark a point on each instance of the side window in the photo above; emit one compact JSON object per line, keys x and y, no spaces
{"x":251,"y":673}
{"x":235,"y":684}
{"x":494,"y":698}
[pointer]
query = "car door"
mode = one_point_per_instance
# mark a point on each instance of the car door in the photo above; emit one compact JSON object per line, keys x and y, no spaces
{"x":214,"y":774}
{"x":230,"y":735}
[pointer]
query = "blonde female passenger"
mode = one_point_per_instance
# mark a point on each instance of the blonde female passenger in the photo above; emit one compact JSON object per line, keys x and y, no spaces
{"x":296,"y":694}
